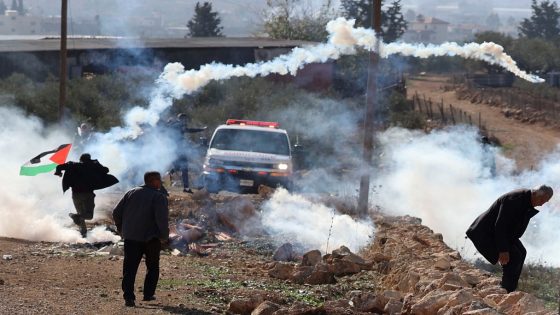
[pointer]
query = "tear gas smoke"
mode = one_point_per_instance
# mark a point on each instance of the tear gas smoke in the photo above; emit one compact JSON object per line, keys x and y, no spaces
{"x":33,"y":208}
{"x":128,"y":155}
{"x":343,"y":40}
{"x":292,"y":217}
{"x":175,"y":82}
{"x":444,"y":178}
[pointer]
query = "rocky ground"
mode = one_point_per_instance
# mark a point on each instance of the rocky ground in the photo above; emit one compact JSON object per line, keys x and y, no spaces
{"x":407,"y":269}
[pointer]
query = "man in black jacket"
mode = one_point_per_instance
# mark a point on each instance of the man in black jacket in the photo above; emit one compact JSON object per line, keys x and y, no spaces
{"x":142,"y":219}
{"x":496,"y":232}
{"x":84,"y":177}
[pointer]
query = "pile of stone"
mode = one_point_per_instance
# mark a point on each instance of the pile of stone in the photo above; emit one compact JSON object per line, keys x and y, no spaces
{"x":431,"y":278}
{"x":314,"y":268}
{"x":419,"y":274}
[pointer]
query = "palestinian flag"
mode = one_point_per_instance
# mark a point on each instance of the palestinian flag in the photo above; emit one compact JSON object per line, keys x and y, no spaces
{"x":46,"y":161}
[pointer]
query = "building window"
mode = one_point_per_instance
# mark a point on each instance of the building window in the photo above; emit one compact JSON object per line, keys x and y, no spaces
{"x":33,"y":23}
{"x":13,"y":30}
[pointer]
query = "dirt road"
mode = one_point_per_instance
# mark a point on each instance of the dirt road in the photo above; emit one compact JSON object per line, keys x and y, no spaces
{"x":525,"y":143}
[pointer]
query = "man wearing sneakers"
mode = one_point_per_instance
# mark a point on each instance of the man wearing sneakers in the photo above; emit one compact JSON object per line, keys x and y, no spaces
{"x":142,"y":219}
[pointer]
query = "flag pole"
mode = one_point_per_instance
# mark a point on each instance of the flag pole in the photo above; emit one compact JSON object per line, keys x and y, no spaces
{"x":63,"y":55}
{"x":371,"y":99}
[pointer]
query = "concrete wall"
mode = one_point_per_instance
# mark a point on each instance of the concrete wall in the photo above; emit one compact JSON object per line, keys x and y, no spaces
{"x":38,"y":65}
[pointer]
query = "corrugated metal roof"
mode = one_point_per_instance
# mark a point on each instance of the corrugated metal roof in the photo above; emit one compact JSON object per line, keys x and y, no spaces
{"x":53,"y":44}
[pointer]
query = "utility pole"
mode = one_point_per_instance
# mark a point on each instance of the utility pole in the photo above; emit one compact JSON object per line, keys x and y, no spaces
{"x":63,"y":71}
{"x":371,"y":99}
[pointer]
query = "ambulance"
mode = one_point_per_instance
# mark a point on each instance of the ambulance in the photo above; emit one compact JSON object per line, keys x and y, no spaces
{"x":244,"y":154}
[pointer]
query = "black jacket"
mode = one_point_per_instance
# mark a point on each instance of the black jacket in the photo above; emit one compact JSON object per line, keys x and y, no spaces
{"x":142,"y":215}
{"x":506,"y":220}
{"x":85,"y":177}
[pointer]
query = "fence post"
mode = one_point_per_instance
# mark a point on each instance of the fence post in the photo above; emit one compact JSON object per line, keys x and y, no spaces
{"x":452,"y":114}
{"x":479,"y":120}
{"x":431,"y":110}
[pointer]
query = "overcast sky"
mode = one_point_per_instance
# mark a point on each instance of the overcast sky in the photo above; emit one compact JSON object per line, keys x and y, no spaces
{"x":243,"y":17}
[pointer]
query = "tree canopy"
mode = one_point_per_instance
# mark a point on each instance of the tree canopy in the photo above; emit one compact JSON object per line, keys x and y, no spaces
{"x":393,"y":23}
{"x":290,"y":19}
{"x":543,"y":22}
{"x":205,"y":22}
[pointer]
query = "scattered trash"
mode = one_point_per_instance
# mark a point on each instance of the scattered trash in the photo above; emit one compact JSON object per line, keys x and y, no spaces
{"x":7,"y":257}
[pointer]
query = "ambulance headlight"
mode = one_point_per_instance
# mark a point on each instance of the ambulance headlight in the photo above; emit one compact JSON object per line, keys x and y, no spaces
{"x":282,"y":166}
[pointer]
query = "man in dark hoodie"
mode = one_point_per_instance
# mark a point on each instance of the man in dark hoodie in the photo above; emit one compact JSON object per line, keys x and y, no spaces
{"x":84,"y":177}
{"x":142,"y":219}
{"x":496,"y":232}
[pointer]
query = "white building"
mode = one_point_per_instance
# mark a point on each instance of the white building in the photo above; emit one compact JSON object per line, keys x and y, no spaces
{"x":427,"y":30}
{"x":13,"y":24}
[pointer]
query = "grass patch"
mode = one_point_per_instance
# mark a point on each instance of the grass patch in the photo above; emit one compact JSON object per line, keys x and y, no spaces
{"x":171,"y":284}
{"x":508,"y":146}
{"x":536,"y":278}
{"x":214,"y":283}
{"x":542,"y":281}
{"x":304,"y":297}
{"x":296,"y":293}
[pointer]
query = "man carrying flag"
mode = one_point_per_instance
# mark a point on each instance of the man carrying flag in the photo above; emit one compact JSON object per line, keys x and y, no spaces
{"x":84,"y":177}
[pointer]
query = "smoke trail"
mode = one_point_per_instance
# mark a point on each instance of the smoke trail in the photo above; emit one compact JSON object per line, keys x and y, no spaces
{"x":343,"y":39}
{"x":442,"y":178}
{"x":344,"y":35}
{"x":33,"y":208}
{"x":294,"y":218}
{"x":175,"y":81}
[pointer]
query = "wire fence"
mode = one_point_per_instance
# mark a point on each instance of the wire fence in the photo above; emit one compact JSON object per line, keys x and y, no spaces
{"x":447,"y":114}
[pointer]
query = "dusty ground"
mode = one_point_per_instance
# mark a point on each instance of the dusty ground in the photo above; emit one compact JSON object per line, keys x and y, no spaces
{"x":525,"y":143}
{"x":62,"y":279}
{"x":410,"y":269}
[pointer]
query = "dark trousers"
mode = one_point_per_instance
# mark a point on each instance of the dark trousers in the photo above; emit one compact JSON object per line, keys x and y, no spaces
{"x":512,"y":271}
{"x":84,"y":204}
{"x":185,"y":176}
{"x":133,"y":252}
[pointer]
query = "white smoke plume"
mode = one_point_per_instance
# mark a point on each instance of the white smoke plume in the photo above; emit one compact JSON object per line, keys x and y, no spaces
{"x":444,"y":178}
{"x":34,"y":208}
{"x":175,"y":82}
{"x":129,"y":160}
{"x":292,"y":217}
{"x":344,"y":38}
